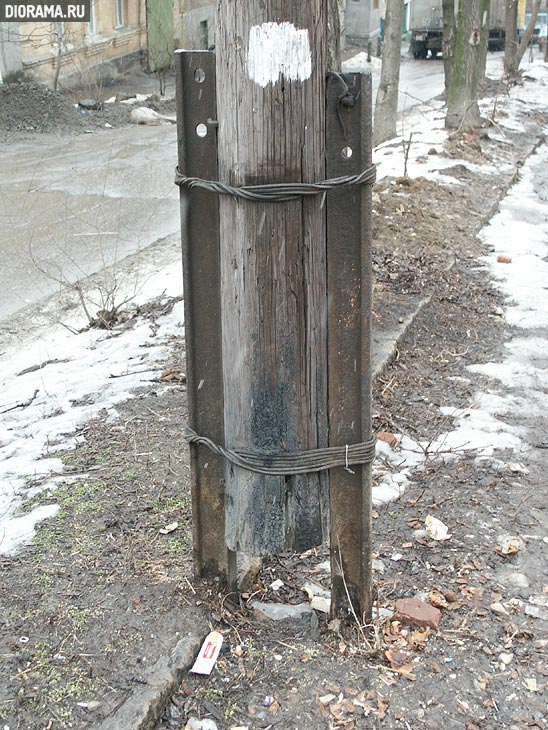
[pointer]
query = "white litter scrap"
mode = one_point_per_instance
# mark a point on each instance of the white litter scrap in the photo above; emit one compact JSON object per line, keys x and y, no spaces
{"x":144,"y":115}
{"x":207,"y":658}
{"x":436,"y":529}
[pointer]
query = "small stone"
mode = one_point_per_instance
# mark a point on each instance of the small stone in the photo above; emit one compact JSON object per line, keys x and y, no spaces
{"x":281,"y":611}
{"x":326,"y":699}
{"x":91,"y":705}
{"x":320,"y":603}
{"x":324,"y":567}
{"x":510,"y":544}
{"x":381,"y":613}
{"x":497,"y":607}
{"x":414,"y":612}
{"x":506,"y":658}
{"x":313,"y":589}
{"x":205,"y":724}
{"x":516,"y":579}
{"x":377,"y":565}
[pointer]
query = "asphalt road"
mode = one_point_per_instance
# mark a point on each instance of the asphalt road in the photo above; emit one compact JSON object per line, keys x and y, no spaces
{"x":69,"y":206}
{"x":420,"y":80}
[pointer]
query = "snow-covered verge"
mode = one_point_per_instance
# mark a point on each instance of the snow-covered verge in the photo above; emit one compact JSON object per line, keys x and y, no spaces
{"x":517,"y":240}
{"x":55,"y":381}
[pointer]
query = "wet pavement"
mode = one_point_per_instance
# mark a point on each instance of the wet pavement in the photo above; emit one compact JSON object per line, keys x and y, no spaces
{"x":71,"y":206}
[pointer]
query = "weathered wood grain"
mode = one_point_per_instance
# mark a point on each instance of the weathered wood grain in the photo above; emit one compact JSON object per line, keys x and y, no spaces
{"x":273,"y":272}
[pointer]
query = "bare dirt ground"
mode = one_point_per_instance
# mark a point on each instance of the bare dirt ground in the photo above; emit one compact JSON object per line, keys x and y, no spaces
{"x":100,"y":594}
{"x":30,"y":108}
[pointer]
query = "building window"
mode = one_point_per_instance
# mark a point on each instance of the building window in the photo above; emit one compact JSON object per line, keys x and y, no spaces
{"x":91,"y":26}
{"x":204,"y":34}
{"x":120,"y":13}
{"x":59,"y":35}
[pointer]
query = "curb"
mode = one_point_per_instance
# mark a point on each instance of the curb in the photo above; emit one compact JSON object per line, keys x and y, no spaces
{"x":385,"y":346}
{"x":143,"y":709}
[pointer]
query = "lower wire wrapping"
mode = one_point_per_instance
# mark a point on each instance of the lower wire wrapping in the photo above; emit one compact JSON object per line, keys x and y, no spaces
{"x":299,"y":462}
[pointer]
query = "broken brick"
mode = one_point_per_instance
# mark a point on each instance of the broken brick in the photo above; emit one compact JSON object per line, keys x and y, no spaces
{"x":414,"y":612}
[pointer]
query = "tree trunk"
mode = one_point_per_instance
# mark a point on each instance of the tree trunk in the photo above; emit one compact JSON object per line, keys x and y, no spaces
{"x":386,"y":107}
{"x":462,"y":104}
{"x":334,"y":37}
{"x":271,"y":70}
{"x":511,"y":42}
{"x":448,"y":9}
{"x":528,"y":33}
{"x":484,"y":39}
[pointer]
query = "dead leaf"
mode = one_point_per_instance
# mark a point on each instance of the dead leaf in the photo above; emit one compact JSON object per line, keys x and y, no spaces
{"x":400,"y":663}
{"x":472,"y":591}
{"x":418,"y":639}
{"x":504,"y":259}
{"x":414,"y":524}
{"x":437,"y":599}
{"x":450,"y":596}
{"x":387,"y":437}
{"x":383,"y":703}
{"x":170,"y":375}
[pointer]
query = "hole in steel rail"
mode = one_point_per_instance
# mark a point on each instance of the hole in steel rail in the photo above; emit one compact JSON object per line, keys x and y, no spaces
{"x":347,"y":152}
{"x":199,"y":75}
{"x":201,"y":130}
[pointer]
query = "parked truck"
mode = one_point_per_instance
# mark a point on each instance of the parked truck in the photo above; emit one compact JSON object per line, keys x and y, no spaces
{"x":427,"y":28}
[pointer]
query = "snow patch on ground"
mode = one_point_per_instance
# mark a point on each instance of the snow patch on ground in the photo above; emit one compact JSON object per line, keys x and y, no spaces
{"x":518,"y":231}
{"x":81,"y":375}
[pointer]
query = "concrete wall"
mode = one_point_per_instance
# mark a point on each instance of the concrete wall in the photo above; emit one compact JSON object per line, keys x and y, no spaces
{"x":10,"y":51}
{"x":361,"y":20}
{"x":199,"y":25}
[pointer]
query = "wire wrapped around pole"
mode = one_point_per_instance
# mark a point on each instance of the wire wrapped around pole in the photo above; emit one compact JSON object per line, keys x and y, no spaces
{"x":277,"y":192}
{"x":298,"y":462}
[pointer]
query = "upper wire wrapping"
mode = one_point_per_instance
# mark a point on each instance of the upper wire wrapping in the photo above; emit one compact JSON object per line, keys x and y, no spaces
{"x":277,"y":192}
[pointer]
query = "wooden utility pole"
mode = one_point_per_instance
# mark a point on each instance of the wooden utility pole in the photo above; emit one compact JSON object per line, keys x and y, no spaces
{"x":277,"y":294}
{"x":271,"y":64}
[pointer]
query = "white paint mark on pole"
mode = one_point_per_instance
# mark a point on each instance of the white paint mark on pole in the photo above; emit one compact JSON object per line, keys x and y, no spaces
{"x":277,"y":51}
